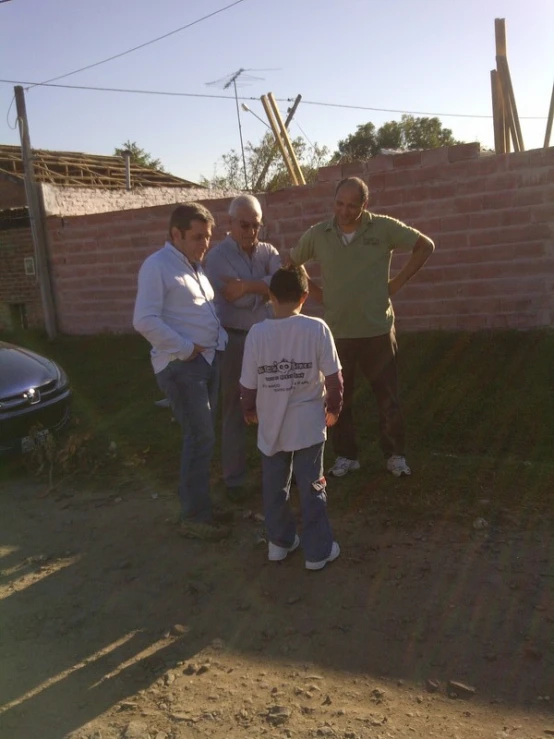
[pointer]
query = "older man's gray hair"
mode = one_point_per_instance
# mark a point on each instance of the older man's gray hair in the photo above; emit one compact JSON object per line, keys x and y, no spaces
{"x":245,"y":201}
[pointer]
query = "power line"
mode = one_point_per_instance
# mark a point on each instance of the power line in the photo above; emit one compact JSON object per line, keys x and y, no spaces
{"x":412,"y":112}
{"x":140,"y":46}
{"x":305,"y":135}
{"x":281,"y":100}
{"x":28,"y":85}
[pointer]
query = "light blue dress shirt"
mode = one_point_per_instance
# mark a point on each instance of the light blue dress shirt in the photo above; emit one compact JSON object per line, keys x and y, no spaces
{"x":174,"y":308}
{"x":227,"y":259}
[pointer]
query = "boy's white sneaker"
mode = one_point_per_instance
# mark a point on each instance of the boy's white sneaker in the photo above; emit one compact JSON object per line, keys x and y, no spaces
{"x":343,"y":466}
{"x":335,"y":551}
{"x":398,"y":466}
{"x":278,"y":554}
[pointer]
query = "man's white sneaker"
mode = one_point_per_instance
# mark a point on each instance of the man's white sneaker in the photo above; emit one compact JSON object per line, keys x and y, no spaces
{"x":335,"y":551}
{"x":397,"y":465}
{"x":278,"y":554}
{"x":343,"y":466}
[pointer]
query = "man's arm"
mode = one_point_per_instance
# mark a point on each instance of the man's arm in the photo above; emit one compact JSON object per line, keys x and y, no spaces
{"x":224,"y":280}
{"x":248,"y":404}
{"x":237,"y":288}
{"x":147,"y":318}
{"x":302,"y":253}
{"x":334,"y":389}
{"x":423,"y":248}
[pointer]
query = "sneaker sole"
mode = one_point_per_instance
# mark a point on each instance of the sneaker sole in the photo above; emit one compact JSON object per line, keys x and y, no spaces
{"x":280,"y":557}
{"x":400,"y":474}
{"x":320,"y":565}
{"x":343,"y":473}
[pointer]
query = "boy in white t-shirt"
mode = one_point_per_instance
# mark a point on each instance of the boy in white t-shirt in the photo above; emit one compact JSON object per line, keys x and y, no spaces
{"x":291,"y":385}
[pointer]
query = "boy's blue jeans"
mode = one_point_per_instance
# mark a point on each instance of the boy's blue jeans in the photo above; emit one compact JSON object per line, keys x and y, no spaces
{"x":192,"y":389}
{"x":307,"y":465}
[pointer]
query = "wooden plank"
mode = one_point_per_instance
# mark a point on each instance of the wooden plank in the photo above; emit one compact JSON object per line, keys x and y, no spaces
{"x":286,"y":139}
{"x":500,"y":36}
{"x":498,"y":114}
{"x":549,"y":121}
{"x":280,"y":143}
{"x":510,"y":102}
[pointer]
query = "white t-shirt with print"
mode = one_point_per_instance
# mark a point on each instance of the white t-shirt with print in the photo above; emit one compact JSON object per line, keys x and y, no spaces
{"x":286,"y":361}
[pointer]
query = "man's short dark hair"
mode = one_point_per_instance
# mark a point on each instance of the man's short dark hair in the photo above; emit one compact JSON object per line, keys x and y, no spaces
{"x":289,"y":284}
{"x":184,"y":214}
{"x":355,"y":182}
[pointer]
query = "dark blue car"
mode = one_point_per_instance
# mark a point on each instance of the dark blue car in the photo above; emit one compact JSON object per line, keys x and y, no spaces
{"x":35,"y":398}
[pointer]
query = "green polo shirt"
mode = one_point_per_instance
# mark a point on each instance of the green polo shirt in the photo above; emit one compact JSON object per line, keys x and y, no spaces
{"x":356,"y":275}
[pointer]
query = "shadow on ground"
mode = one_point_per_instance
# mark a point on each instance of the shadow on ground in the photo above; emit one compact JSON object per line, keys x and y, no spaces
{"x":100,"y":598}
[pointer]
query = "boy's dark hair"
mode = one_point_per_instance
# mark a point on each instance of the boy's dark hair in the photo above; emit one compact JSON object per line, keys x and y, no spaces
{"x":183,"y":215}
{"x":289,"y":284}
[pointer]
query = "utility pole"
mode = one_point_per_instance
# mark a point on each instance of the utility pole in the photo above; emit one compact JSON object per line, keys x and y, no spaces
{"x":233,"y":81}
{"x":35,"y":215}
{"x":275,"y":149}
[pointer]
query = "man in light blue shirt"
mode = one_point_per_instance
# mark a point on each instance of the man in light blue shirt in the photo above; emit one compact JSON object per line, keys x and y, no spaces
{"x":175,"y":312}
{"x":240,"y":269}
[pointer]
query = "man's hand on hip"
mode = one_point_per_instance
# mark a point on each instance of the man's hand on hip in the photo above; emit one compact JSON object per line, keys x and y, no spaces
{"x":195,"y":352}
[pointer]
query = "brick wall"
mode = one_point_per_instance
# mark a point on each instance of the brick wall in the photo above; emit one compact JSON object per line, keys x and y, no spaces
{"x":12,"y":194}
{"x":79,"y":201}
{"x":16,"y":288}
{"x":492,"y":218}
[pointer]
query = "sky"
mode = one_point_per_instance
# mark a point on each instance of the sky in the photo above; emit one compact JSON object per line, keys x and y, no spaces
{"x":417,"y":56}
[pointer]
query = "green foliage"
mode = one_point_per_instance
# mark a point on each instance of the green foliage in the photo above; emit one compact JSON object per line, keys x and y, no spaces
{"x":409,"y":133}
{"x":231,"y":173}
{"x":139,"y":156}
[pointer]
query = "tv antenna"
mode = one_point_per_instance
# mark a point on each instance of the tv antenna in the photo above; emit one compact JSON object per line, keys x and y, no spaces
{"x":240,"y":78}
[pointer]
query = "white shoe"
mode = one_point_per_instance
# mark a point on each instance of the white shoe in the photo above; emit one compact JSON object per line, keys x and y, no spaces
{"x":398,"y":466}
{"x":343,"y":466}
{"x":278,"y":554}
{"x":335,"y":551}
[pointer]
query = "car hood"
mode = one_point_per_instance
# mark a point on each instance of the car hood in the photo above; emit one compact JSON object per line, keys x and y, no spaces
{"x":21,"y":369}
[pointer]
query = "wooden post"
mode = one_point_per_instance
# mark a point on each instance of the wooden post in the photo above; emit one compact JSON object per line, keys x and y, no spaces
{"x":280,"y":143}
{"x":509,"y":101}
{"x":35,"y":216}
{"x":549,"y":122}
{"x":500,"y":36}
{"x":286,"y":139}
{"x":275,"y":149}
{"x":498,"y":114}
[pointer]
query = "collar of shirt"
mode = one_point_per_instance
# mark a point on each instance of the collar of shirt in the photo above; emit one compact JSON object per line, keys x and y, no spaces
{"x":240,"y":251}
{"x":367,"y":220}
{"x":193,"y":266}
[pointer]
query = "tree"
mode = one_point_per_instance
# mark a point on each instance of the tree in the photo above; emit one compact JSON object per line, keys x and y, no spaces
{"x":139,"y":156}
{"x":407,"y":134}
{"x":257,"y":156}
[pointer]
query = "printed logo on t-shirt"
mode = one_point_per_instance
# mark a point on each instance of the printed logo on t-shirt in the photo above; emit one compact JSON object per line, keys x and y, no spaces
{"x":285,"y":369}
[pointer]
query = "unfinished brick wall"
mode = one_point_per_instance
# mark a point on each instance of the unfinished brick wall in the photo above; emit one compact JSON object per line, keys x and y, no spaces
{"x":20,"y":304}
{"x":79,"y":201}
{"x":12,"y":194}
{"x":492,"y":219}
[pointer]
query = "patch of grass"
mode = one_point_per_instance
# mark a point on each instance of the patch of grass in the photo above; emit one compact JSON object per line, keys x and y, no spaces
{"x":479,"y":411}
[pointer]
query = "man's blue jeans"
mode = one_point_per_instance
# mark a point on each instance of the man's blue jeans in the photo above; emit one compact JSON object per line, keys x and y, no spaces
{"x":307,"y":464}
{"x":192,"y":389}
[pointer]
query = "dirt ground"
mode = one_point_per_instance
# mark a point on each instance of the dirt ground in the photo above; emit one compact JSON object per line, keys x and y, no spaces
{"x":113,"y":626}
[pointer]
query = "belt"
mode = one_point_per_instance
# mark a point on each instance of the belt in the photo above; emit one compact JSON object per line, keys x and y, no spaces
{"x":238,"y":331}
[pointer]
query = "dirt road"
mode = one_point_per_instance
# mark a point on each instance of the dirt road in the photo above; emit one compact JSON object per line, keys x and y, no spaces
{"x":113,"y":626}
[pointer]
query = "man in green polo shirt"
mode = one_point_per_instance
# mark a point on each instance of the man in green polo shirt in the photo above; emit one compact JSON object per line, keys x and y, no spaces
{"x":354,"y":250}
